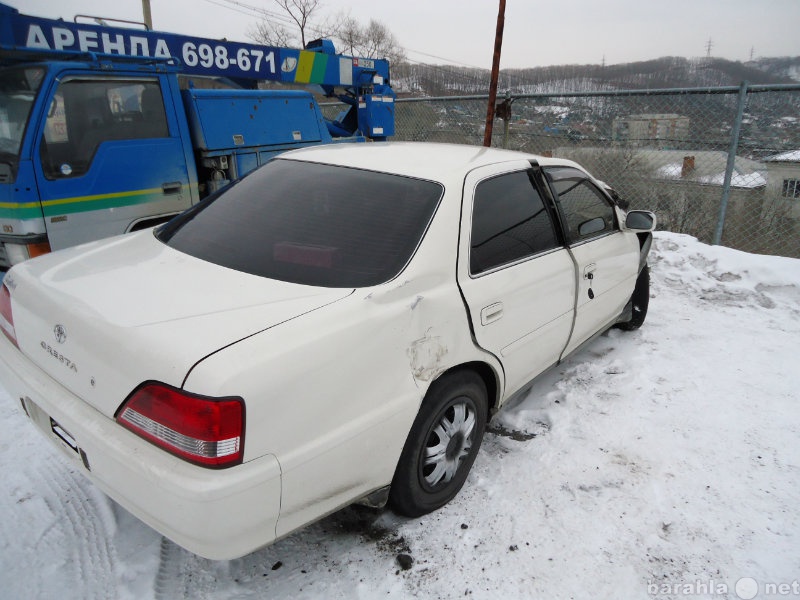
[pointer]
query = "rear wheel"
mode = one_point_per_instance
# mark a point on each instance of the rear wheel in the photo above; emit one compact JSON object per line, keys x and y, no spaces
{"x":640,"y":299}
{"x":441,"y":446}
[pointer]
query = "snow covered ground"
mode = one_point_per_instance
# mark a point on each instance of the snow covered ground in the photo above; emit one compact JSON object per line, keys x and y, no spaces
{"x":663,"y":463}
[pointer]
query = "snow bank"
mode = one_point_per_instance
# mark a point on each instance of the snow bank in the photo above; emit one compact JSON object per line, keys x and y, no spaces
{"x":662,"y":463}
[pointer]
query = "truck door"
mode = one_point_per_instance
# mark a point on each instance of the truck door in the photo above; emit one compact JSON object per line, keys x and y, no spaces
{"x":108,"y":158}
{"x":607,"y":259}
{"x":517,"y":279}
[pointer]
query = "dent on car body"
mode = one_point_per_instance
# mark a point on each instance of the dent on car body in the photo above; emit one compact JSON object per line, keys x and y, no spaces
{"x":426,"y":354}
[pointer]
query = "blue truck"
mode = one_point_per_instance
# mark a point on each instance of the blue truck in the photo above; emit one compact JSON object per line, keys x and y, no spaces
{"x":110,"y":129}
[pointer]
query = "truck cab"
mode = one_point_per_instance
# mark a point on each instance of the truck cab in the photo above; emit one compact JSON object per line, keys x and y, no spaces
{"x":88,"y":154}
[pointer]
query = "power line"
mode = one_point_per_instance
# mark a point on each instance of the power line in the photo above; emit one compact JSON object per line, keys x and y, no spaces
{"x":251,"y":10}
{"x":272,"y":15}
{"x":455,"y":62}
{"x":229,"y":7}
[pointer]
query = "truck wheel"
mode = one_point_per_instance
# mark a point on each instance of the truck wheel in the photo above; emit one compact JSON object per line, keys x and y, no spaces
{"x":639,"y":300}
{"x":441,"y":446}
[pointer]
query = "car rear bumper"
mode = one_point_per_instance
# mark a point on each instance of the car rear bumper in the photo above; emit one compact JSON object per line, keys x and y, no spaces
{"x":218,"y":514}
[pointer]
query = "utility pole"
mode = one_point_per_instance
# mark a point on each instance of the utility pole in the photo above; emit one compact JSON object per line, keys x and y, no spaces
{"x":498,"y":45}
{"x":148,"y":17}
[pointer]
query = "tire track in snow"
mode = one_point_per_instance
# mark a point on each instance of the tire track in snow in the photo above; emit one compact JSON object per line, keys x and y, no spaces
{"x":182,"y":574}
{"x":57,"y":525}
{"x":169,"y":580}
{"x":82,"y":532}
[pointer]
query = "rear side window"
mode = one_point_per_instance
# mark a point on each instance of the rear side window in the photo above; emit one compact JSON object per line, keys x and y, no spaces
{"x":586,"y":211}
{"x":310,"y":223}
{"x":509,"y":222}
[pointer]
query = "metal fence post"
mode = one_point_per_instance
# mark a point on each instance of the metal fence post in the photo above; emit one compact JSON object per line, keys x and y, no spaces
{"x":729,"y":167}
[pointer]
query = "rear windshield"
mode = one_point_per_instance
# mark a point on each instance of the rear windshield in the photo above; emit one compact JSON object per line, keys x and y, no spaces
{"x":310,"y":223}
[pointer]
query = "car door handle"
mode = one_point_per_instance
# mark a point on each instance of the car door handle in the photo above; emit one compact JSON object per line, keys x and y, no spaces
{"x":588,"y":271}
{"x":491,"y":313}
{"x":173,"y":187}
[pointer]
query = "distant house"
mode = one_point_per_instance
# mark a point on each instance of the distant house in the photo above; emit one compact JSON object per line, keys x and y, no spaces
{"x":780,"y":216}
{"x":684,"y":187}
{"x":784,"y":182}
{"x":661,"y":131}
{"x":691,"y":192}
{"x":706,"y":167}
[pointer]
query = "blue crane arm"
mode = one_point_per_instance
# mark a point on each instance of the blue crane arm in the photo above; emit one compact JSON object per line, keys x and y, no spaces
{"x":23,"y":38}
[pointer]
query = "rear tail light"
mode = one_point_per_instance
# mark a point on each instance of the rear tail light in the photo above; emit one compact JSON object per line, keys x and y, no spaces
{"x":6,"y":318}
{"x":202,"y":430}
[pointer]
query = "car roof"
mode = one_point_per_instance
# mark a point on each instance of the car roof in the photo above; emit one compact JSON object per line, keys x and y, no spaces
{"x":416,"y":159}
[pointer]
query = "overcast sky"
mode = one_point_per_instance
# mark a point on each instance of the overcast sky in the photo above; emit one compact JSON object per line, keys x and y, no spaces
{"x":537,"y":33}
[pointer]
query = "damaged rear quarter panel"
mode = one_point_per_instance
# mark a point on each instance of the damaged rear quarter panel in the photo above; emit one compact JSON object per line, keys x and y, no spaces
{"x":427,"y":356}
{"x":346,"y":381}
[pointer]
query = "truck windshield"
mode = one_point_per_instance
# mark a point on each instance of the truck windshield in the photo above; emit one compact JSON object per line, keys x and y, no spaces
{"x":18,"y":87}
{"x":309,"y":223}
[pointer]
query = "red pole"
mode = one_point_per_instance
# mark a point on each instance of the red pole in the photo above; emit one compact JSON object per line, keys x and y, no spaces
{"x":498,"y":45}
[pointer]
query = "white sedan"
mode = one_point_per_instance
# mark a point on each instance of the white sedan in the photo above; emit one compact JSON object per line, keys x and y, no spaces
{"x":337,"y":327}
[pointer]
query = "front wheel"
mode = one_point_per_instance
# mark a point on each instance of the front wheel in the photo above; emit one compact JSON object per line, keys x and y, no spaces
{"x":441,"y":446}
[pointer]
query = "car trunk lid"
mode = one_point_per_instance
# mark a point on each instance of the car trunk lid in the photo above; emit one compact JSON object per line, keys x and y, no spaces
{"x":105,"y":318}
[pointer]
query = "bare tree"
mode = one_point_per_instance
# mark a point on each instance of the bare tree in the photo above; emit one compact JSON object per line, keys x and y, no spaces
{"x":273,"y":33}
{"x":373,"y":40}
{"x":300,"y":11}
{"x":348,"y":33}
{"x":380,"y":42}
{"x":268,"y":33}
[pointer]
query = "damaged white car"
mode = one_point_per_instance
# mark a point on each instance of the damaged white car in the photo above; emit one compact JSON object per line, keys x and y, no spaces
{"x":336,"y":327}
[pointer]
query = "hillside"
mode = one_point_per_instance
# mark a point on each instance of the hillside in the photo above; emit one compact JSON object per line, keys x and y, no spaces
{"x":666,"y":72}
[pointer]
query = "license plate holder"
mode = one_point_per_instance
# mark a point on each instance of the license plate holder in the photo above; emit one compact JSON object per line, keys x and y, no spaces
{"x":42,"y":420}
{"x":64,"y":435}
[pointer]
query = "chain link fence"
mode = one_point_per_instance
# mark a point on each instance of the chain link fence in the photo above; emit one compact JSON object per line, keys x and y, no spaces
{"x":721,"y":164}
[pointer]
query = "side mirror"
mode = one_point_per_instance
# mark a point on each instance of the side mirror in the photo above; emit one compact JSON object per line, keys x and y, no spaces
{"x":640,"y":220}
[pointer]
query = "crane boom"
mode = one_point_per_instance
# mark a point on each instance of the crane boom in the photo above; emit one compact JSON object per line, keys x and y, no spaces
{"x":23,"y":36}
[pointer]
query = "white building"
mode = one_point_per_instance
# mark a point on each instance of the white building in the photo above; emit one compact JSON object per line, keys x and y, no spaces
{"x":783,"y":182}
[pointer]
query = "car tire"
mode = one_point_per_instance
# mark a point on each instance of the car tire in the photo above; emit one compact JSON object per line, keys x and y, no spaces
{"x":640,"y":299}
{"x":441,"y":446}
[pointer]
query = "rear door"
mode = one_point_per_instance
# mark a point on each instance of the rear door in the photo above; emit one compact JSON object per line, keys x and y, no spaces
{"x":517,"y":278}
{"x":607,"y":259}
{"x":108,"y":156}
